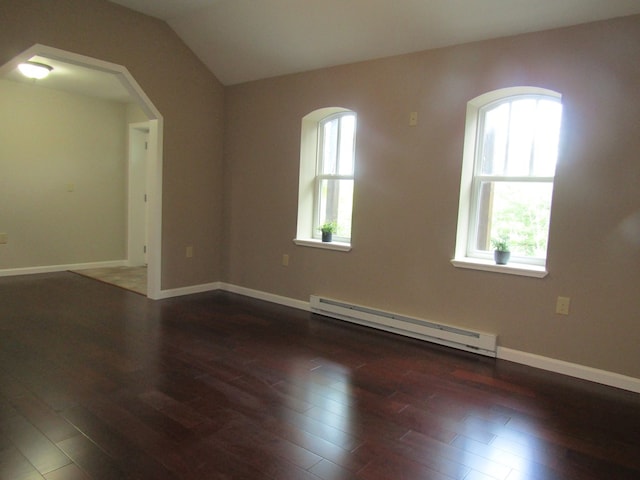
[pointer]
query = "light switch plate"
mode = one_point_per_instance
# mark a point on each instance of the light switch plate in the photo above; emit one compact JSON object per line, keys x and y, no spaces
{"x":562,"y":305}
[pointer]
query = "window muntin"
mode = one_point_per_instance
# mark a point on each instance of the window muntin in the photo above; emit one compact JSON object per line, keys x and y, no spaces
{"x":519,"y":137}
{"x":334,"y":174}
{"x":514,"y":160}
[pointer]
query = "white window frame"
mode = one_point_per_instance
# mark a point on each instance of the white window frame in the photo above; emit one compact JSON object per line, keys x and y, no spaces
{"x":465,"y":256}
{"x":310,"y":180}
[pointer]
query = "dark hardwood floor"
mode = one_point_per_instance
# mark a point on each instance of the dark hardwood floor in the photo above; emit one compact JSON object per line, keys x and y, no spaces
{"x":100,"y":383}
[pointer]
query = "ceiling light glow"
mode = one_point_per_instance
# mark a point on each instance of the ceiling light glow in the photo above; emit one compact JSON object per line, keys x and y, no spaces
{"x":34,"y":70}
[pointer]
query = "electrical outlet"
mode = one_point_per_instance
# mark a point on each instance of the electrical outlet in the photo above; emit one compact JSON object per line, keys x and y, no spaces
{"x":189,"y":251}
{"x":562,"y":305}
{"x":285,"y":260}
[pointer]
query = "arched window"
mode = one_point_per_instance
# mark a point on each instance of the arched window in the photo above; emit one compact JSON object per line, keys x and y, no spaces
{"x":327,"y":159}
{"x":510,"y":154}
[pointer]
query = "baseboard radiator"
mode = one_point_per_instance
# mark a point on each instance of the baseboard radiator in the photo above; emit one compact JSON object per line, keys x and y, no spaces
{"x":468,"y":340}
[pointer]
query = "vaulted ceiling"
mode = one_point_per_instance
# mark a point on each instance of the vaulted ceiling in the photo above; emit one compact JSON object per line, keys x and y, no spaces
{"x":244,"y":40}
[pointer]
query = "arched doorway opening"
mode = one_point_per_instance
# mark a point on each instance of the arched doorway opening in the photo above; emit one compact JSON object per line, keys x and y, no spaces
{"x":154,"y":154}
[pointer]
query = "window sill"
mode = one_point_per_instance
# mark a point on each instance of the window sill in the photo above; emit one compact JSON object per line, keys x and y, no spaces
{"x":308,"y":242}
{"x":521,"y":269}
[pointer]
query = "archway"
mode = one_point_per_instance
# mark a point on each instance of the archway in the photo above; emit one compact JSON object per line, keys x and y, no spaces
{"x":154,"y":171}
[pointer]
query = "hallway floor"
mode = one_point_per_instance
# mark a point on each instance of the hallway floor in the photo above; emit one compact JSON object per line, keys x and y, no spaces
{"x":129,"y":278}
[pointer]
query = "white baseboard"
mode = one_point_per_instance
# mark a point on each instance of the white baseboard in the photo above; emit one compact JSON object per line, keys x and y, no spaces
{"x":269,"y":297}
{"x":10,"y":272}
{"x":571,"y":369}
{"x":178,"y":292}
{"x":544,"y":363}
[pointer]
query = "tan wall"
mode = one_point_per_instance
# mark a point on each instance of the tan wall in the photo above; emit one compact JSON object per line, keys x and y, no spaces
{"x":407,"y":177}
{"x":187,"y":95}
{"x":52,"y":142}
{"x":407,"y":186}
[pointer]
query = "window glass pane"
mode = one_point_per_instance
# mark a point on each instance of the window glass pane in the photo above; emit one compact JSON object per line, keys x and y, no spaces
{"x":347,"y":135}
{"x":520,"y":138}
{"x":494,"y":141}
{"x":518,"y":211}
{"x":548,"y":118}
{"x":329,"y":147}
{"x":335,"y":198}
{"x":521,"y":132}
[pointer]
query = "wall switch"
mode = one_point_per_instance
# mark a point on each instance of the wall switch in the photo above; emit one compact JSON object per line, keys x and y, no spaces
{"x":4,"y":238}
{"x":70,"y":187}
{"x":562,"y":305}
{"x":413,"y":119}
{"x":285,"y":260}
{"x":189,"y":252}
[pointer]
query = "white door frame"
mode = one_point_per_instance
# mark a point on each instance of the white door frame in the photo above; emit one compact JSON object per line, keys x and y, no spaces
{"x":137,"y":225}
{"x":154,"y":170}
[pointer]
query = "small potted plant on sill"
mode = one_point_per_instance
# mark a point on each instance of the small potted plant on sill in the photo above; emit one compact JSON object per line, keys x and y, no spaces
{"x":501,"y":251}
{"x":328,"y":229}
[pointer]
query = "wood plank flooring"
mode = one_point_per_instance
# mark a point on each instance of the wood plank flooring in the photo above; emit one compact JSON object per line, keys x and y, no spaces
{"x":100,"y":383}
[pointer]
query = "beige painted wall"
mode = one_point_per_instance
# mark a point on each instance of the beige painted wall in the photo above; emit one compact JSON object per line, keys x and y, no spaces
{"x":52,"y":142}
{"x":407,"y":186}
{"x":407,"y":178}
{"x":187,"y":95}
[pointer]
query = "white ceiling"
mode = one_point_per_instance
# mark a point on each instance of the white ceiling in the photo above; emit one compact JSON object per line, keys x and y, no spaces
{"x":243,"y":40}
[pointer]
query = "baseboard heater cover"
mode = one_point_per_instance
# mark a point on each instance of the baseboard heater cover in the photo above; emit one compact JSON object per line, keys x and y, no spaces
{"x":460,"y":338}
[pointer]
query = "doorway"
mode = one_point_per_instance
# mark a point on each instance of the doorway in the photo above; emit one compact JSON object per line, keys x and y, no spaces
{"x":148,"y":224}
{"x":137,"y":235}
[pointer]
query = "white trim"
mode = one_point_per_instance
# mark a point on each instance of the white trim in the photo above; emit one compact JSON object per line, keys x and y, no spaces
{"x":178,"y":292}
{"x":339,"y":246}
{"x":307,"y":181}
{"x":525,"y":270}
{"x":228,"y":287}
{"x":137,"y":173}
{"x":9,"y":272}
{"x":154,"y":193}
{"x":575,"y":370}
{"x":154,"y":208}
{"x":603,"y":377}
{"x":269,"y":297}
{"x":467,"y":220}
{"x":571,"y":369}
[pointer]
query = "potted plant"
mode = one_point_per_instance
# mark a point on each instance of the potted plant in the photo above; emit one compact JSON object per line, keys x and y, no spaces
{"x":328,"y":229}
{"x":501,"y":251}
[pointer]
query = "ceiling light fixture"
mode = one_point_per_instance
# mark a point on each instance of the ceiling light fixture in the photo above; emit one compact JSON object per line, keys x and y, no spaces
{"x":34,"y":70}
